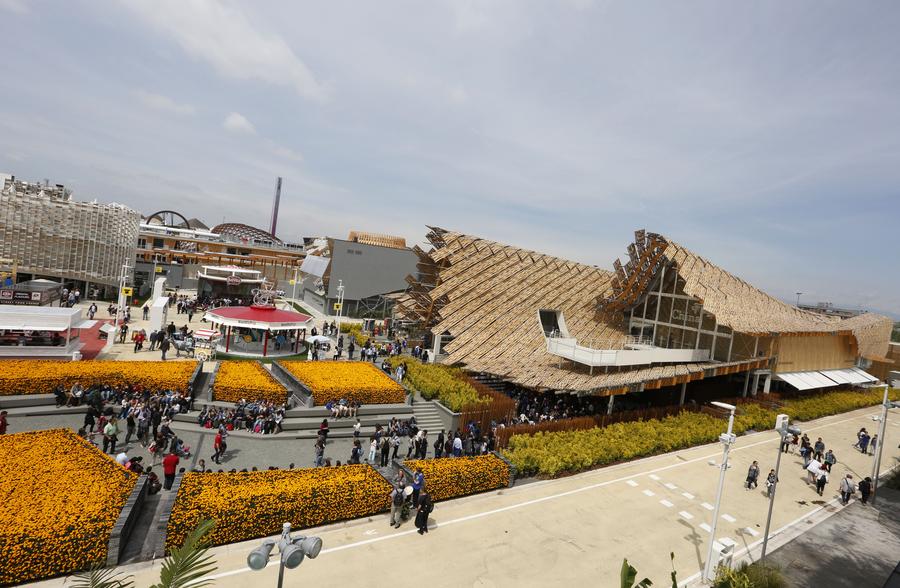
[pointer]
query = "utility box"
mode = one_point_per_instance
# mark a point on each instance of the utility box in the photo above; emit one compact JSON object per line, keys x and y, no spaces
{"x":723,"y":554}
{"x":781,"y":422}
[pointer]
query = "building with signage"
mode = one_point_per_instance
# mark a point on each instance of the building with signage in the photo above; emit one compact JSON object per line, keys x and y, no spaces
{"x":46,"y":233}
{"x":666,"y":320}
{"x":229,"y":281}
{"x":370,"y":268}
{"x":31,"y":293}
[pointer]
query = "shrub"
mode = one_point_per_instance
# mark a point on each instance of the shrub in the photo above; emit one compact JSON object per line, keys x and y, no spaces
{"x":355,"y":381}
{"x":459,"y":476}
{"x":755,"y":575}
{"x":247,"y":505}
{"x":446,"y":384}
{"x":42,"y":376}
{"x":61,"y":499}
{"x":249,"y":380}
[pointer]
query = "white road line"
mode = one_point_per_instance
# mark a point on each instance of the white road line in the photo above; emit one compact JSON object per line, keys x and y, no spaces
{"x":706,"y":527}
{"x":688,"y":495}
{"x":729,"y":518}
{"x":631,"y":483}
{"x":670,"y":485}
{"x":666,"y":503}
{"x":753,"y":532}
{"x":654,"y":477}
{"x":649,"y":493}
{"x":685,"y":515}
{"x":707,"y":506}
{"x":577,"y":491}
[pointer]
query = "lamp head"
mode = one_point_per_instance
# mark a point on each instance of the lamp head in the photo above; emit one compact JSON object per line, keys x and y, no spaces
{"x":724,"y":405}
{"x":292,"y":556}
{"x":311,"y":546}
{"x":794,"y":430}
{"x":259,"y":557}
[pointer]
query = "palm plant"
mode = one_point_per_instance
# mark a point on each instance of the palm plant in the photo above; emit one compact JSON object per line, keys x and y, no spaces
{"x":185,"y":566}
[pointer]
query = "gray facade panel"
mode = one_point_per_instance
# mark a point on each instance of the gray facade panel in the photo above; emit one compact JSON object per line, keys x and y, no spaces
{"x":368,"y":270}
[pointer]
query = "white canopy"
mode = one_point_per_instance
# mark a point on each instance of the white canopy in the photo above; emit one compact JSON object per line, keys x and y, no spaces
{"x":825,"y":379}
{"x":318,"y":339}
{"x":39,"y":318}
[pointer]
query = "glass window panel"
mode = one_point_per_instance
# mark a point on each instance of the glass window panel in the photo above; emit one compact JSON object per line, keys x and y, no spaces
{"x":721,"y":353}
{"x":665,"y":310}
{"x":651,"y":308}
{"x":705,"y":341}
{"x":709,"y":322}
{"x":692,"y":318}
{"x":679,"y":311}
{"x":679,"y":286}
{"x":662,"y":336}
{"x":690,"y":339}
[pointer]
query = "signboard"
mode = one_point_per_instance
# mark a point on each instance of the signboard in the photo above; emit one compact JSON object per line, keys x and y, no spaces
{"x":158,"y":269}
{"x":233,"y":280}
{"x":10,"y":296}
{"x":128,"y":291}
{"x":337,"y":305}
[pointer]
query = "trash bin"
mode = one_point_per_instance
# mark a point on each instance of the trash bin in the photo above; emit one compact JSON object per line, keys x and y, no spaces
{"x":77,"y":356}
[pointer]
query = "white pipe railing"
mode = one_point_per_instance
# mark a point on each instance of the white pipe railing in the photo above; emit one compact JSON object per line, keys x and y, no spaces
{"x":568,"y":348}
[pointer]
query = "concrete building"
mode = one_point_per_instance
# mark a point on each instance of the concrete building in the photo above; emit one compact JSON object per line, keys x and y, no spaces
{"x":371,"y":269}
{"x":48,"y":234}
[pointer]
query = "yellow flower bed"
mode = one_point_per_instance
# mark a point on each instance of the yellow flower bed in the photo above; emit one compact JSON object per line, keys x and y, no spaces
{"x":247,"y":505}
{"x":459,"y":476}
{"x":248,"y":380}
{"x":356,"y":381}
{"x":41,"y":376}
{"x":60,"y":498}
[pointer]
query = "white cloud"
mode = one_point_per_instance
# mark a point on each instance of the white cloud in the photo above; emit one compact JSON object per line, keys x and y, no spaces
{"x":237,"y":123}
{"x":16,"y":6}
{"x":221,"y":35}
{"x":286,"y":153}
{"x":163,"y":103}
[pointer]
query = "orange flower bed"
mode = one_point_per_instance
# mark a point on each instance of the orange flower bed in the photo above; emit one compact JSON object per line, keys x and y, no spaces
{"x":42,"y":376}
{"x":60,"y":498}
{"x":248,"y":380}
{"x":355,"y":381}
{"x":247,"y":505}
{"x":459,"y":476}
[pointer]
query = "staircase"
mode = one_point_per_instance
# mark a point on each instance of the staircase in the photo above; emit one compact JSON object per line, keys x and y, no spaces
{"x":493,"y":382}
{"x":428,"y":416}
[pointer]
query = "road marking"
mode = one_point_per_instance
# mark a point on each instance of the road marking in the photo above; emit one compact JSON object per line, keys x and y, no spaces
{"x":753,"y":532}
{"x":688,"y":495}
{"x":685,"y":515}
{"x":729,"y":518}
{"x":649,"y":493}
{"x":371,"y":532}
{"x":654,"y":477}
{"x":706,"y":527}
{"x":707,"y":506}
{"x":578,"y":491}
{"x":670,"y":485}
{"x":631,"y":483}
{"x":666,"y":503}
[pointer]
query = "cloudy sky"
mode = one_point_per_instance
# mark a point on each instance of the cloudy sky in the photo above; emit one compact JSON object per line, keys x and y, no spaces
{"x":764,"y":135}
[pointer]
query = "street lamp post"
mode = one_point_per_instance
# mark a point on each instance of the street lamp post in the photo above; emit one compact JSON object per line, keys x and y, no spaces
{"x":799,"y":294}
{"x":120,"y":311}
{"x":783,"y":428}
{"x":340,"y":309}
{"x":292,"y":552}
{"x":727,"y":440}
{"x":294,"y":291}
{"x":876,"y":467}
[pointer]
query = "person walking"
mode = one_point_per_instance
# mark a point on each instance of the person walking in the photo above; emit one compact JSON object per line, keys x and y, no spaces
{"x":385,"y":450}
{"x":395,"y":443}
{"x":752,"y":476}
{"x":829,"y":460}
{"x":320,"y":452}
{"x":396,"y":505}
{"x":819,"y":449}
{"x":865,"y":489}
{"x":373,"y":449}
{"x":873,"y":444}
{"x":864,"y":443}
{"x":425,"y":506}
{"x":439,"y":444}
{"x":164,"y":347}
{"x":418,"y":484}
{"x":170,"y":466}
{"x":821,"y":480}
{"x":110,"y":436}
{"x":356,"y":452}
{"x":771,"y":481}
{"x":356,"y":427}
{"x":859,"y":435}
{"x":130,"y":426}
{"x":218,"y":447}
{"x":847,"y":488}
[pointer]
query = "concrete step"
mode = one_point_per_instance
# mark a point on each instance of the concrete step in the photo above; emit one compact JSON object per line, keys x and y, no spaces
{"x":389,"y":410}
{"x":19,"y":400}
{"x":364,"y":433}
{"x":27,"y":411}
{"x":295,"y":423}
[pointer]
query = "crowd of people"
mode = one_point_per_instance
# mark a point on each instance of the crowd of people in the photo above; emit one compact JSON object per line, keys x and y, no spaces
{"x":537,"y":407}
{"x":258,"y":416}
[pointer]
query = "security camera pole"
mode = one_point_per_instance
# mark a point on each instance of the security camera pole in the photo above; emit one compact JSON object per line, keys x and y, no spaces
{"x":727,"y":439}
{"x":876,"y":468}
{"x":782,"y":425}
{"x":292,"y":552}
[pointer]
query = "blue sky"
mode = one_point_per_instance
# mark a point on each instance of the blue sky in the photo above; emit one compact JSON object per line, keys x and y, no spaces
{"x":764,"y":135}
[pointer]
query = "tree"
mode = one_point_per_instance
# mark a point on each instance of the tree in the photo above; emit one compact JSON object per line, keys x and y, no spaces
{"x":629,"y":575}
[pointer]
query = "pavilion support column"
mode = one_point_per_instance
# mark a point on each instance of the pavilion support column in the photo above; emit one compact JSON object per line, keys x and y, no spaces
{"x":746,"y":383}
{"x":609,"y":407}
{"x":683,"y":392}
{"x":768,"y":383}
{"x":227,"y":338}
{"x":755,"y":384}
{"x":266,"y":342}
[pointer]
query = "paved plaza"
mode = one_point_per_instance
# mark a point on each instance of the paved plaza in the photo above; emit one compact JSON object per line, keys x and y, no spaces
{"x":562,"y":531}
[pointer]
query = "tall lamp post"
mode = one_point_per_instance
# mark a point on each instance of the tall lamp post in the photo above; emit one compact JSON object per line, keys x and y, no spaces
{"x":799,"y":294}
{"x":727,"y":439}
{"x":294,"y":289}
{"x":120,"y":311}
{"x":340,"y":306}
{"x":876,"y":467}
{"x":782,"y":425}
{"x":291,"y":550}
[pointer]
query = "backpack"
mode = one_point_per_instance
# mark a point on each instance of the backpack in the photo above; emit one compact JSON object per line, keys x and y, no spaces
{"x":398,"y":498}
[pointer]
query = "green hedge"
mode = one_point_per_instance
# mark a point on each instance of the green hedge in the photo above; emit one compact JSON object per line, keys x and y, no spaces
{"x":435,"y":381}
{"x":556,"y":453}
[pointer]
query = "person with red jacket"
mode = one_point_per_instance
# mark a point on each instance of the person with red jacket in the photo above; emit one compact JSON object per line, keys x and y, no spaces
{"x":170,"y":466}
{"x":219,"y":446}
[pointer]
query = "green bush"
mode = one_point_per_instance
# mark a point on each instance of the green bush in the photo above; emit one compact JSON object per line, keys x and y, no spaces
{"x":435,"y":381}
{"x":560,"y":452}
{"x":755,"y":575}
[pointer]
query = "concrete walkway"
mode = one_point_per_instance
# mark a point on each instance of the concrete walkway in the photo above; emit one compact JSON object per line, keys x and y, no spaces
{"x":570,"y":530}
